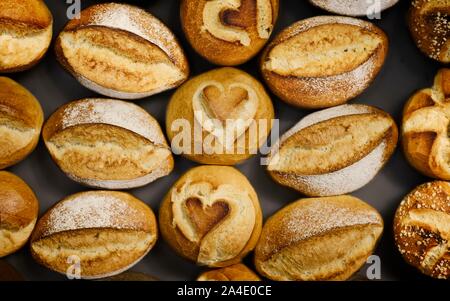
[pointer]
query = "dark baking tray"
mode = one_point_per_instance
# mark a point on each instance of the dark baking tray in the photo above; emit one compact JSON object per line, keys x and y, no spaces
{"x":405,"y":71}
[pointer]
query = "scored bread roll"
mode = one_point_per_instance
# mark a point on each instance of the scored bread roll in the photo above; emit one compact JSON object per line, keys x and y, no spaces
{"x":228,"y":32}
{"x":107,"y":143}
{"x":121,"y":51}
{"x":25,"y":33}
{"x":236,"y":272}
{"x":354,"y":7}
{"x":425,"y":128}
{"x":18,"y":213}
{"x":323,"y":61}
{"x":429,"y":25}
{"x":104,"y":232}
{"x":21,"y":119}
{"x":211,"y":216}
{"x":334,"y":151}
{"x":422,"y":229}
{"x":326,"y":238}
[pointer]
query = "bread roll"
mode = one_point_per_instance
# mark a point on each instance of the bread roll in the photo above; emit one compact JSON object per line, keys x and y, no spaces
{"x":18,"y":213}
{"x":430,"y":27}
{"x":318,"y":239}
{"x":422,"y":229}
{"x":228,"y":32}
{"x":227,"y":105}
{"x":324,"y":61}
{"x":107,"y":143}
{"x":25,"y":33}
{"x":236,"y":272}
{"x":425,"y":128}
{"x":21,"y":119}
{"x":334,"y":151}
{"x":211,"y":216}
{"x":354,"y":7}
{"x":107,"y":231}
{"x":121,"y":51}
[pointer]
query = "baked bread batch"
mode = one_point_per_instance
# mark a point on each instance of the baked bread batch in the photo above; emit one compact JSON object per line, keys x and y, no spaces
{"x":211,"y":216}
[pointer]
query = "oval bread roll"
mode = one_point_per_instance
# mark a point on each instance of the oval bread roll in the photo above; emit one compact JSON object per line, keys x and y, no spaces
{"x":106,"y":232}
{"x":121,"y":51}
{"x":323,"y":61}
{"x":236,"y":272}
{"x":25,"y":33}
{"x":354,"y":7}
{"x":211,"y":216}
{"x":318,"y":239}
{"x":422,"y":229}
{"x":107,"y":143}
{"x":18,"y":213}
{"x":334,"y":151}
{"x":21,"y":119}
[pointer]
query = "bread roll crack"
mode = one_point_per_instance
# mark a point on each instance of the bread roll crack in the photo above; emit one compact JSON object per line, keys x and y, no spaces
{"x":10,"y":239}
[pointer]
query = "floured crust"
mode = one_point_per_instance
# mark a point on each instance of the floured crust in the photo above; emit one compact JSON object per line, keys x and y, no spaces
{"x":353,"y":7}
{"x":236,"y":272}
{"x":122,"y":51}
{"x":289,"y":64}
{"x":211,"y":216}
{"x":318,"y":239}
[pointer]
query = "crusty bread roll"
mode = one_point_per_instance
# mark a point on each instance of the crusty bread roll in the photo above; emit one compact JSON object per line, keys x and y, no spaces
{"x":236,"y":272}
{"x":324,"y":61}
{"x":227,"y":105}
{"x":318,"y":239}
{"x":425,"y":128}
{"x":107,"y":232}
{"x":354,"y":7}
{"x":422,"y":229}
{"x":121,"y":51}
{"x":130,"y":276}
{"x":429,"y":24}
{"x":25,"y":33}
{"x":107,"y":143}
{"x":211,"y":216}
{"x":228,"y":32}
{"x":21,"y":119}
{"x":18,"y":213}
{"x":334,"y":151}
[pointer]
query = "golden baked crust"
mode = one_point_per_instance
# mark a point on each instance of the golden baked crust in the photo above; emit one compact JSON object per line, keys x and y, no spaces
{"x":211,"y":216}
{"x":425,"y":123}
{"x":422,"y":229}
{"x":228,"y":32}
{"x":236,"y":272}
{"x":107,"y":231}
{"x":318,"y":239}
{"x":429,"y":24}
{"x":18,"y":213}
{"x":353,"y":7}
{"x":21,"y":119}
{"x":225,"y":94}
{"x":121,"y":51}
{"x":323,"y":61}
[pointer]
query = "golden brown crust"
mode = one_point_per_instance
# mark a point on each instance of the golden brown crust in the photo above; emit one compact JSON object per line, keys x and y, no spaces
{"x":331,"y":83}
{"x":236,"y":272}
{"x":422,"y":229}
{"x":232,"y":237}
{"x":239,"y":39}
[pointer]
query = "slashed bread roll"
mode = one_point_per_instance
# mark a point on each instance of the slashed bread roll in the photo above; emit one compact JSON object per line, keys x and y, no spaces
{"x":354,"y":7}
{"x":236,"y":272}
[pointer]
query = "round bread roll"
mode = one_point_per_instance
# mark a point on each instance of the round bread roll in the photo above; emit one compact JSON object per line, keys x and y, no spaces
{"x":121,"y":51}
{"x":25,"y":33}
{"x":18,"y":213}
{"x":21,"y":119}
{"x":425,"y":128}
{"x":429,"y":25}
{"x":211,"y":216}
{"x":107,"y":143}
{"x":318,"y":239}
{"x":354,"y":7}
{"x":324,"y":61}
{"x":130,"y":276}
{"x":236,"y":272}
{"x":228,"y":113}
{"x":228,"y":32}
{"x":103,"y":232}
{"x":422,"y":229}
{"x":334,"y":151}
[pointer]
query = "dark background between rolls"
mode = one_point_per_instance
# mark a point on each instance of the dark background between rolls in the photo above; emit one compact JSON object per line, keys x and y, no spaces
{"x":405,"y":71}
